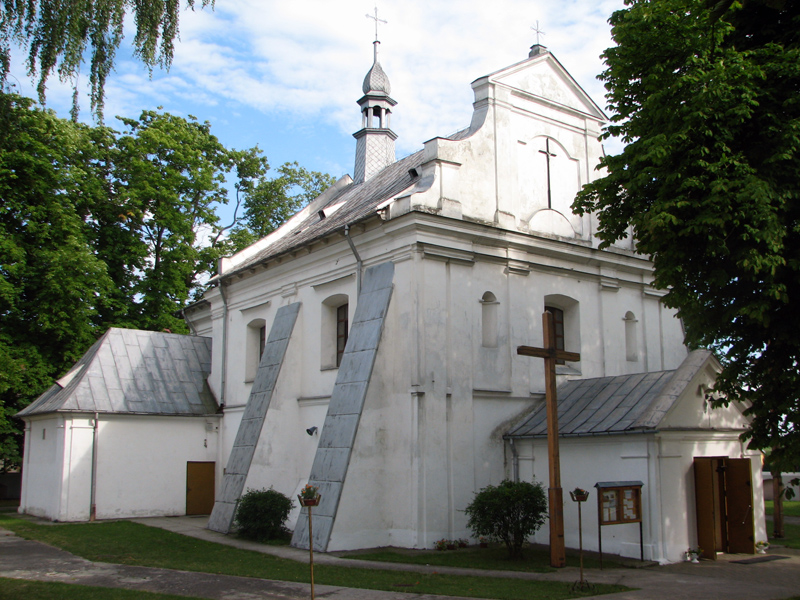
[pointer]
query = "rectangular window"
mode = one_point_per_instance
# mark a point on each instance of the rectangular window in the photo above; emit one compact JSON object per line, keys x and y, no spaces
{"x":262,"y":341}
{"x":341,"y":332}
{"x":558,"y":321}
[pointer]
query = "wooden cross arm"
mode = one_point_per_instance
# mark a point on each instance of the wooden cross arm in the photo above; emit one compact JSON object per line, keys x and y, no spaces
{"x":547,"y":353}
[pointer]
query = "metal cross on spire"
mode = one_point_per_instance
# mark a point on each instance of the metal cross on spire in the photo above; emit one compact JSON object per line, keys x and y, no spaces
{"x":536,"y":29}
{"x":377,"y":20}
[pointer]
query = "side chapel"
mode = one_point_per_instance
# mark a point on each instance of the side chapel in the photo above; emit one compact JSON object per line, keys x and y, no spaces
{"x":368,"y":347}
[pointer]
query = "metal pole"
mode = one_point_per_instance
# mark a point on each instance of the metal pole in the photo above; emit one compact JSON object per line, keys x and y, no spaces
{"x":311,"y":551}
{"x":580,"y":538}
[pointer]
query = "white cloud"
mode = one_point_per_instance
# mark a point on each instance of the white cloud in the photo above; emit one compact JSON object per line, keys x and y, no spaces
{"x":303,"y":63}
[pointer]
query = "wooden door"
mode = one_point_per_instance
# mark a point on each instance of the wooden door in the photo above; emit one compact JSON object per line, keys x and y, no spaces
{"x":200,"y":488}
{"x":739,"y":487}
{"x":707,"y":498}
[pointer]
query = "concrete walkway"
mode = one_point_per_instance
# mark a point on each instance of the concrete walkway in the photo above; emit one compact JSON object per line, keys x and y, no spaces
{"x":723,"y":579}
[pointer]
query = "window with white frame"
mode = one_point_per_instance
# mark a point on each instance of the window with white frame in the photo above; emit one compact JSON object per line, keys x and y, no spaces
{"x":334,"y":329}
{"x":256,"y":339}
{"x":566,"y":319}
{"x":489,"y":306}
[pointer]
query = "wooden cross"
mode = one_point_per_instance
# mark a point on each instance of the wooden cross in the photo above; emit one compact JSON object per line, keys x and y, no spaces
{"x":547,"y":155}
{"x":550,"y":353}
{"x":377,"y":20}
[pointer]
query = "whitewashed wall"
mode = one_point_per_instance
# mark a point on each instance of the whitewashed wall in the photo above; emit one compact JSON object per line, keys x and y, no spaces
{"x":141,"y":465}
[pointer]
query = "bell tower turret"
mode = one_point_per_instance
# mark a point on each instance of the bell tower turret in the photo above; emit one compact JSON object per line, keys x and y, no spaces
{"x":375,"y":139}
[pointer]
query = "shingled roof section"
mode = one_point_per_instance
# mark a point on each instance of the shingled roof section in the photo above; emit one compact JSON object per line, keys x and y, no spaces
{"x":614,"y":405}
{"x":128,"y":371}
{"x":353,"y":203}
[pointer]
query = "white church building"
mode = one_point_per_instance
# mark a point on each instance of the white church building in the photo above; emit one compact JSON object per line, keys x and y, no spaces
{"x":368,"y":347}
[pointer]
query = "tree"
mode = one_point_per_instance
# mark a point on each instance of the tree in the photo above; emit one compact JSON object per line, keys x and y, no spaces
{"x":56,"y":35}
{"x":269,"y":202}
{"x":100,"y":229}
{"x":510,"y":512}
{"x":52,"y":285}
{"x":706,"y":98}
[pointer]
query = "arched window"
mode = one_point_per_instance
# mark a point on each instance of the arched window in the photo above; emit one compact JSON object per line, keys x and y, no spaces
{"x":334,"y":328}
{"x":256,"y":339}
{"x":566,"y":319}
{"x":631,"y":337}
{"x":489,"y":306}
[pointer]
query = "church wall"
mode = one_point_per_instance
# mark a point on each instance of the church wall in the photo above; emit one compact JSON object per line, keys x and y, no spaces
{"x":663,"y":462}
{"x":43,"y":469}
{"x":141,"y":462}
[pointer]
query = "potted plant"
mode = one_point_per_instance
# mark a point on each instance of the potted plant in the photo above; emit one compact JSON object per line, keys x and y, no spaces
{"x":483,"y":542}
{"x":441,"y":544}
{"x":762,"y":546}
{"x":579,"y":495}
{"x":462,"y":542}
{"x":309,"y":496}
{"x":693,"y":554}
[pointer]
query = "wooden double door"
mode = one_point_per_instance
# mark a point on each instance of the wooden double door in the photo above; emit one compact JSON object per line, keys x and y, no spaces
{"x":724,"y":495}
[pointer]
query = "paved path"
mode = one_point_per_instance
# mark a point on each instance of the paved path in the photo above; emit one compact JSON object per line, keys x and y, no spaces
{"x":723,"y":579}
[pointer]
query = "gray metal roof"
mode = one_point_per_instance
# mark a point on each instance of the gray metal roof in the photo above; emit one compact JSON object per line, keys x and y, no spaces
{"x":614,"y":405}
{"x":358,"y":201}
{"x":135,"y":372}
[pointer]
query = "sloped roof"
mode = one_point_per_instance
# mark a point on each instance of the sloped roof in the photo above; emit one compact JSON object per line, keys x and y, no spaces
{"x":128,"y":371}
{"x":354,"y":203}
{"x":614,"y":405}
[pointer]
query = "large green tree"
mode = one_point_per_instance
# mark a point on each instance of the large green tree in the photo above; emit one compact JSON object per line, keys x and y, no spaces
{"x":100,"y":228}
{"x":57,"y":34}
{"x":52,"y":284}
{"x":706,"y":95}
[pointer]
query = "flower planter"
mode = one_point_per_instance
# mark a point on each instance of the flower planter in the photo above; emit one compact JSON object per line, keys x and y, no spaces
{"x":310,"y":501}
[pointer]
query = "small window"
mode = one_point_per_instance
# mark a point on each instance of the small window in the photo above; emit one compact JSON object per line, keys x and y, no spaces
{"x":631,"y":337}
{"x":558,"y":322}
{"x":254,"y":347}
{"x":341,"y":331}
{"x":489,"y":306}
{"x":334,"y":326}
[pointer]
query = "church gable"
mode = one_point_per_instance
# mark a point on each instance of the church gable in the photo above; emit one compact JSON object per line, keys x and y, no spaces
{"x":544,"y":80}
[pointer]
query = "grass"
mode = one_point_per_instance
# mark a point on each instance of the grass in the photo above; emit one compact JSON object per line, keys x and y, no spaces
{"x":123,"y":542}
{"x":791,"y":535}
{"x":790,"y":508}
{"x":536,"y":560}
{"x":21,"y":589}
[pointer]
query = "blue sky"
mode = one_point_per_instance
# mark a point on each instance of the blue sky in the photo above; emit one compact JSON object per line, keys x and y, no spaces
{"x":286,"y":75}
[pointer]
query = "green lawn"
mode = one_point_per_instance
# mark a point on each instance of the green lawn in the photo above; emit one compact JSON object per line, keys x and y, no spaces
{"x":791,"y":537}
{"x":790,"y":508}
{"x":129,"y":543}
{"x":536,"y":560}
{"x":20,"y":589}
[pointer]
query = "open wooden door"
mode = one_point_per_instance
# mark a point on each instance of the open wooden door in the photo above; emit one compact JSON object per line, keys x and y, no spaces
{"x":707,"y":498}
{"x":200,"y":488}
{"x":739,"y":482}
{"x":724,"y":504}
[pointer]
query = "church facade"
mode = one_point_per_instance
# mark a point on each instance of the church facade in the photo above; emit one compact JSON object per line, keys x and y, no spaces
{"x":368,"y":346}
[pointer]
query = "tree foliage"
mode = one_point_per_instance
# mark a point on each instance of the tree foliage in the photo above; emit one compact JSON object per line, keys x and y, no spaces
{"x":56,"y":36}
{"x":510,"y":511}
{"x":100,"y":228}
{"x":706,"y":96}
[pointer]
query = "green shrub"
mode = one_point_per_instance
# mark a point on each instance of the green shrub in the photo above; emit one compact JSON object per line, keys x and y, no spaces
{"x":509,"y":512}
{"x":261,"y":515}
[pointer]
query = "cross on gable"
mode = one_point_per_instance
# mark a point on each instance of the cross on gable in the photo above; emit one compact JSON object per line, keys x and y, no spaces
{"x":538,"y":31}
